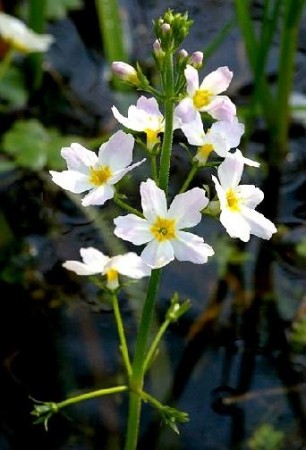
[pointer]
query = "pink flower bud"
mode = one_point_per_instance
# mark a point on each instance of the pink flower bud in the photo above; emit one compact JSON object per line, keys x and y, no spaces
{"x":196,"y":59}
{"x":183,"y":53}
{"x":125,"y":71}
{"x":158,"y":51}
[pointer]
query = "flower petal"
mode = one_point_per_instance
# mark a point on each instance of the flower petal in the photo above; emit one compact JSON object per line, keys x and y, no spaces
{"x":231,"y":131}
{"x":192,"y":78}
{"x":185,"y":112}
{"x":217,"y":81}
{"x":157,"y":254}
{"x":71,"y":180}
{"x":79,"y":268}
{"x":120,"y":173}
{"x":117,"y":152}
{"x":78,"y":158}
{"x":260,"y":226}
{"x":94,"y":262}
{"x":230,"y":170}
{"x":235,"y":224}
{"x":251,"y":196}
{"x":98,"y":196}
{"x":130,"y":265}
{"x":194,"y":131}
{"x":133,"y":229}
{"x":220,"y":193}
{"x":149,"y":105}
{"x":221,"y":108}
{"x":153,"y":200}
{"x":130,"y":121}
{"x":190,"y":247}
{"x":94,"y":258}
{"x":185,"y":208}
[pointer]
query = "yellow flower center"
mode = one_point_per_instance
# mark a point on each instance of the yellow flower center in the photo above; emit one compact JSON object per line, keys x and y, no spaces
{"x":233,"y":201}
{"x":100,"y":175}
{"x":201,"y":98}
{"x":152,"y":138}
{"x":163,"y":229}
{"x":205,"y":150}
{"x":112,"y":278}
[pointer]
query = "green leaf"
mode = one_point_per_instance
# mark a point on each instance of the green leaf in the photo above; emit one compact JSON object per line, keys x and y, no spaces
{"x":35,"y":147}
{"x":12,"y":89}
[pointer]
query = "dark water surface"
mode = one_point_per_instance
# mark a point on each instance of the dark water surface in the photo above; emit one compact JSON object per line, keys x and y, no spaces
{"x":229,"y":362}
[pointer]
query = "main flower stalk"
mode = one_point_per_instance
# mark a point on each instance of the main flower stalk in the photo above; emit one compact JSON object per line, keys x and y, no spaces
{"x":139,"y":363}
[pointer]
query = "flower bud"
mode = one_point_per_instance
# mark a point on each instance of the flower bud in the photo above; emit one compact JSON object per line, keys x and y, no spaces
{"x":183,"y":54}
{"x":125,"y":72}
{"x":196,"y":59}
{"x":158,"y":51}
{"x":165,"y":28}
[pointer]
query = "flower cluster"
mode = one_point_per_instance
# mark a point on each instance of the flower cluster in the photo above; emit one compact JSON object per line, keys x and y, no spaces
{"x":161,"y":228}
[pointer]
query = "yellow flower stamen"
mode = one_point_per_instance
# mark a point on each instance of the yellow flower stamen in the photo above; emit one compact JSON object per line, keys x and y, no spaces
{"x":112,"y":278}
{"x":163,"y":229}
{"x":99,"y":176}
{"x":233,"y":201}
{"x":201,"y":98}
{"x":152,"y":138}
{"x":204,"y":151}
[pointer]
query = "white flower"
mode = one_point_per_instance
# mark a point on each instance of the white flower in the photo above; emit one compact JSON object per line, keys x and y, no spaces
{"x":162,"y":229}
{"x":238,"y":202}
{"x":96,"y":173}
{"x":95,"y":262}
{"x":221,"y":137}
{"x":145,"y":117}
{"x":22,"y":38}
{"x":205,"y":97}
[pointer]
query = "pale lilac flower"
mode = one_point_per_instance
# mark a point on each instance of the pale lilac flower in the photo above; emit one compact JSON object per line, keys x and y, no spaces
{"x":87,"y":171}
{"x":205,"y":97}
{"x":95,"y":262}
{"x":125,"y":72}
{"x":17,"y":34}
{"x":220,"y":138}
{"x":162,"y":228}
{"x":238,"y":202}
{"x":144,"y":117}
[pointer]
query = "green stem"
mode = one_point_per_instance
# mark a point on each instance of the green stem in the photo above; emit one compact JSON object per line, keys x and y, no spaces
{"x":37,"y":22}
{"x":120,"y":327}
{"x":90,"y":395}
{"x":189,"y":178}
{"x":138,"y":367}
{"x":150,"y":399}
{"x":292,"y":15}
{"x":152,"y":350}
{"x":126,"y":206}
{"x":165,"y":157}
{"x":137,"y":377}
{"x":154,"y":168}
{"x":6,"y":62}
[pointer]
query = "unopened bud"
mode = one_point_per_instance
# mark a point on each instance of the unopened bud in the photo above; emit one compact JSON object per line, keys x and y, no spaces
{"x":165,"y":28}
{"x":125,"y":72}
{"x":183,"y":54}
{"x":158,"y":51}
{"x":196,"y":59}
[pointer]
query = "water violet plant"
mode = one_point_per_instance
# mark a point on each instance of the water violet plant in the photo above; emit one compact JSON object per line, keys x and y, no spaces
{"x":160,"y":224}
